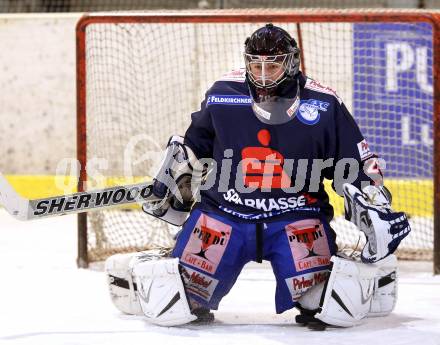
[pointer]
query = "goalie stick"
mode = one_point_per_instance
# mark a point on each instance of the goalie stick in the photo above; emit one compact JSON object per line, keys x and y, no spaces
{"x":27,"y":209}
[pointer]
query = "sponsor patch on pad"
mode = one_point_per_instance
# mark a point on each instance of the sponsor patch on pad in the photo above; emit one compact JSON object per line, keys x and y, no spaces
{"x":198,"y":283}
{"x":207,"y":244}
{"x":308,"y":244}
{"x":300,"y":284}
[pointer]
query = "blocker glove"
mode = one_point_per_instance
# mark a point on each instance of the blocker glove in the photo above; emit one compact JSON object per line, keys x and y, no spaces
{"x":370,"y":210}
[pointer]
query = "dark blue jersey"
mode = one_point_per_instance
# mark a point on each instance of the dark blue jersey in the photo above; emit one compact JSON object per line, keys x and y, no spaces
{"x":268,"y":171}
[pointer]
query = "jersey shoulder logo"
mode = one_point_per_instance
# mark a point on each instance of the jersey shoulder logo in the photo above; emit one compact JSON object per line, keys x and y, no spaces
{"x":317,"y":86}
{"x":309,"y":110}
{"x":238,"y":75}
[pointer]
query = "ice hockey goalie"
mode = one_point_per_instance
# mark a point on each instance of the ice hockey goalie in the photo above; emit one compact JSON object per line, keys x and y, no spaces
{"x":267,"y":136}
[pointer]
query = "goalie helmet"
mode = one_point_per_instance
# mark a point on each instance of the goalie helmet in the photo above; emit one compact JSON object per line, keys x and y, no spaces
{"x":272,"y":65}
{"x":271,"y":57}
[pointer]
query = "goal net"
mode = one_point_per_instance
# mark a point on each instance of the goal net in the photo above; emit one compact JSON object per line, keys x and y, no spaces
{"x":140,"y":77}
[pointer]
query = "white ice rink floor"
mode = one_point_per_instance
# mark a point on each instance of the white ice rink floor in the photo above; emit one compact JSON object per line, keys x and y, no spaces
{"x":45,"y":299}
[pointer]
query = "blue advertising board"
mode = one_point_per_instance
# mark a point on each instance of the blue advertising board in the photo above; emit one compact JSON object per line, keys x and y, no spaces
{"x":392,"y":94}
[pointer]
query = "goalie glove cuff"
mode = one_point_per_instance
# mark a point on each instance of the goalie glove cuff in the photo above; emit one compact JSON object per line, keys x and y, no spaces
{"x":176,"y":183}
{"x":179,"y":163}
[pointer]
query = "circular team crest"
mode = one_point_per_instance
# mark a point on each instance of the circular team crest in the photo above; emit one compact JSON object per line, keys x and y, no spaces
{"x":308,"y":114}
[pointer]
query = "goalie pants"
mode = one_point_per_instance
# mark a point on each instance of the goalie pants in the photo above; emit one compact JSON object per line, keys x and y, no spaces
{"x":213,"y":250}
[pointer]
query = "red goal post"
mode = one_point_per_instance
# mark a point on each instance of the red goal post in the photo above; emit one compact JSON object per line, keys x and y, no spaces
{"x":127,"y":70}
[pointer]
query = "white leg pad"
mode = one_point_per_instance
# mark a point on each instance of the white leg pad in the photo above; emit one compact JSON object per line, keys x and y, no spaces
{"x":122,"y":288}
{"x":161,"y":292}
{"x":356,"y":290}
{"x":385,"y":287}
{"x":348,"y":293}
{"x":310,"y":300}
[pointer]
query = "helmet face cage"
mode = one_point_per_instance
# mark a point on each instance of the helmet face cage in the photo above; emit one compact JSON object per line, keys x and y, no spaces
{"x":271,"y":56}
{"x":268,"y":71}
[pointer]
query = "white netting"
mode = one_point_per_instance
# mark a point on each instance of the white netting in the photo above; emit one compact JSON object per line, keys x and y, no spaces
{"x":144,"y":80}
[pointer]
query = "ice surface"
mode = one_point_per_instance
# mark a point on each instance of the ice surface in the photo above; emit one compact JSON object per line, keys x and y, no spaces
{"x":45,"y":299}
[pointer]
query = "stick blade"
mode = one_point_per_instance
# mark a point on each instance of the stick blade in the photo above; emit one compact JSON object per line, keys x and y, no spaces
{"x":14,"y":204}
